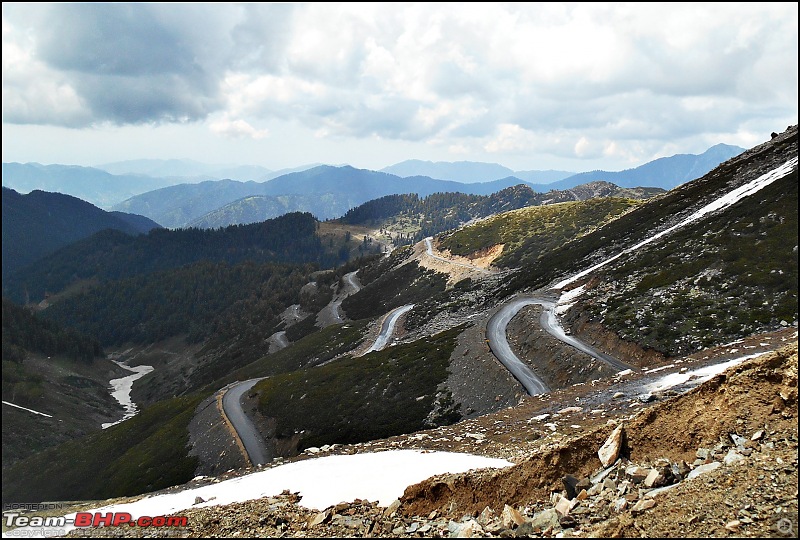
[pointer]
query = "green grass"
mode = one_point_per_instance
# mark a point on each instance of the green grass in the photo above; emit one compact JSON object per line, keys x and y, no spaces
{"x":528,"y":232}
{"x":146,"y":453}
{"x":353,"y":400}
{"x":710,"y":282}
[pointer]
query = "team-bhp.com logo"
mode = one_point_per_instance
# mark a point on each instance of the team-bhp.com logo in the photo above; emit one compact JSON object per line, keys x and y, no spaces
{"x":88,"y":519}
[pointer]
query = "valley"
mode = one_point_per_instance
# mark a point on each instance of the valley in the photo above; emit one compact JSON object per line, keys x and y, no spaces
{"x":502,"y":326}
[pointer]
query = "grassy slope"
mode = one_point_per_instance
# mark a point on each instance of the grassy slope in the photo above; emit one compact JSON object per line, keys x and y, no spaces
{"x":381,"y":394}
{"x":145,"y":453}
{"x":529,"y":232}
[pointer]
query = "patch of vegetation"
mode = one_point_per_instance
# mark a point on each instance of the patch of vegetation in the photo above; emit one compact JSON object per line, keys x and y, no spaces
{"x":710,"y":282}
{"x":383,"y":393}
{"x":146,"y":453}
{"x":406,"y":284}
{"x":203,"y":300}
{"x":529,"y":232}
{"x":24,"y":331}
{"x":112,"y":255}
{"x":312,"y":350}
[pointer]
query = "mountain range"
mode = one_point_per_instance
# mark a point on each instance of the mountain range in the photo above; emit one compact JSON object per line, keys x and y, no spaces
{"x":40,"y":223}
{"x":112,"y":185}
{"x":680,"y":281}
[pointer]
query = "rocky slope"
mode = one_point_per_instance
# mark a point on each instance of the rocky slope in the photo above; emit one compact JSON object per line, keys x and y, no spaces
{"x":717,"y":460}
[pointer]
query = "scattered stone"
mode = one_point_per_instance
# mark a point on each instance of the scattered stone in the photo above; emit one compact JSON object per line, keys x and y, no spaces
{"x":612,"y":448}
{"x":542,"y":521}
{"x":643,"y":505}
{"x":511,"y":517}
{"x":654,"y":479}
{"x":570,"y":483}
{"x":734,"y":525}
{"x":563,"y":505}
{"x":637,"y":474}
{"x":758,"y":435}
{"x":570,"y":410}
{"x":568,"y":522}
{"x":321,"y":517}
{"x":620,"y":504}
{"x":732,"y":457}
{"x":198,"y":500}
{"x":702,"y":469}
{"x":392,"y":508}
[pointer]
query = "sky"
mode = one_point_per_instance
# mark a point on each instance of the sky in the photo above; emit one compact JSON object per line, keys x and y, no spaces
{"x":532,"y":86}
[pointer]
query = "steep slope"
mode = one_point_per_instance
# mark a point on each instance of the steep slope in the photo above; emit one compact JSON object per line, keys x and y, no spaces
{"x":56,"y":372}
{"x":39,"y":223}
{"x":111,"y":255}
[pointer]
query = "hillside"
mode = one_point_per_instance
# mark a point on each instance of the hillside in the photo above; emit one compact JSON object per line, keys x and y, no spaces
{"x":111,"y":255}
{"x":39,"y":223}
{"x":711,"y":260}
{"x":57,"y":372}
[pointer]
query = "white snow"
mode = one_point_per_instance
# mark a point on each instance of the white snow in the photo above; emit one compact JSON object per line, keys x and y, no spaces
{"x":701,"y":375}
{"x":121,"y":391}
{"x":722,"y":202}
{"x":27,"y":409}
{"x":322,"y":482}
{"x":570,"y":296}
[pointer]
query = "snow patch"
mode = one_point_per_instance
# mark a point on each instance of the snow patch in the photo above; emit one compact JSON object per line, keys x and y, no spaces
{"x":121,"y":391}
{"x":27,"y":409}
{"x":721,"y":203}
{"x":700,"y":375}
{"x":322,"y":482}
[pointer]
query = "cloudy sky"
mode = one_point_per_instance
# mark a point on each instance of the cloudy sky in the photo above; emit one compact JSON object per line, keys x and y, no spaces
{"x":531,"y":86}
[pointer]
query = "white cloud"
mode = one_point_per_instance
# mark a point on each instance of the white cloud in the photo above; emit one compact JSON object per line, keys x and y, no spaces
{"x":629,"y":78}
{"x":237,"y":129}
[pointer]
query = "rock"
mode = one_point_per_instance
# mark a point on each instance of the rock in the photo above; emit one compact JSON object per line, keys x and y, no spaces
{"x":582,"y":496}
{"x":468,"y":529}
{"x":637,"y":474}
{"x":570,"y":482}
{"x":392,"y":508}
{"x":732,"y":457}
{"x":679,"y":470}
{"x":738,"y":441}
{"x":612,"y":448}
{"x":702,"y":469}
{"x":198,"y":500}
{"x":313,"y":450}
{"x":511,"y":516}
{"x":641,"y":506}
{"x":569,"y":410}
{"x":540,"y":522}
{"x":486,"y":517}
{"x":609,"y":484}
{"x":321,"y":517}
{"x":620,"y":504}
{"x":563,"y":505}
{"x":758,"y":435}
{"x":654,"y":479}
{"x":567,"y":522}
{"x":734,"y":525}
{"x":523,"y":531}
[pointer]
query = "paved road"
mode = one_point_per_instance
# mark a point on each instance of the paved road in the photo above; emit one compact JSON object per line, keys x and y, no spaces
{"x":387,"y":328}
{"x":498,"y":343}
{"x":351,"y":286}
{"x":249,"y":435}
{"x":549,"y":321}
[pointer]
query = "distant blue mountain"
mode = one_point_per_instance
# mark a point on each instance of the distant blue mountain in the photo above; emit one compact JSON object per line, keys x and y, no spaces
{"x":665,"y":173}
{"x":87,"y":183}
{"x":325,"y":191}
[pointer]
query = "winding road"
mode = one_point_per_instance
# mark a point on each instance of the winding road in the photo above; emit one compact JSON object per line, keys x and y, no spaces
{"x":498,"y":342}
{"x":387,"y":328}
{"x":253,"y":443}
{"x":351,"y":286}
